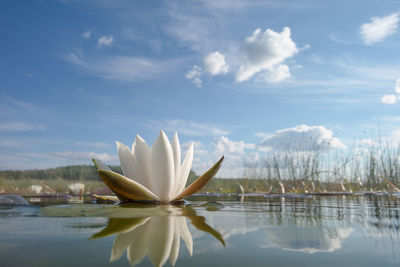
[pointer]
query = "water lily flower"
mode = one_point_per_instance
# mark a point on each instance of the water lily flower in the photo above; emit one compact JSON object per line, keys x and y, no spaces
{"x":36,"y":188}
{"x":153,"y":173}
{"x":77,"y":188}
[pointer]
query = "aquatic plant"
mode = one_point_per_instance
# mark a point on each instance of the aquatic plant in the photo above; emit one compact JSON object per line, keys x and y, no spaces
{"x":77,"y":188}
{"x":153,"y":173}
{"x":37,"y":189}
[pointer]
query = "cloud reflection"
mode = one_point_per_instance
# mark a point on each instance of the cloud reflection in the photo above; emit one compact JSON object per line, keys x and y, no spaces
{"x":307,"y":239}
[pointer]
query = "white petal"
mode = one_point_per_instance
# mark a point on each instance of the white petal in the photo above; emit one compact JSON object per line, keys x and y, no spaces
{"x":185,"y":170}
{"x":160,"y":239}
{"x":185,"y":233}
{"x":162,"y":168}
{"x":176,"y":150}
{"x":137,"y":249}
{"x":133,"y":146}
{"x":100,"y":165}
{"x":127,"y":161}
{"x":173,"y":255}
{"x":123,"y":240}
{"x":142,"y":156}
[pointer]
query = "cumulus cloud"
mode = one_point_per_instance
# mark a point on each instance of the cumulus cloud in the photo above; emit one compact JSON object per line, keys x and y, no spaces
{"x":395,"y":135}
{"x":214,"y":63}
{"x":225,"y":146}
{"x":264,"y":51}
{"x":397,"y":87}
{"x":389,"y":99}
{"x":302,"y":138}
{"x":106,"y":40}
{"x":277,"y":73}
{"x":379,"y":28}
{"x":262,"y":135}
{"x":368,"y":142}
{"x":392,"y":98}
{"x":198,"y":146}
{"x":86,"y":34}
{"x":194,"y":74}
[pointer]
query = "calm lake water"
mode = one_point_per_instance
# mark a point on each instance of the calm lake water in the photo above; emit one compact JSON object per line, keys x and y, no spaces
{"x":207,"y":231}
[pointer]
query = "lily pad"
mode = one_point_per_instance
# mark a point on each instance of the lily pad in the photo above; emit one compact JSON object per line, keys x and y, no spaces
{"x":109,"y":211}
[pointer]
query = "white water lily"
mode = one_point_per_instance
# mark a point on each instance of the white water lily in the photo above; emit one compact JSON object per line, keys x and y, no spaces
{"x":77,"y":188}
{"x":36,"y":188}
{"x":153,"y":173}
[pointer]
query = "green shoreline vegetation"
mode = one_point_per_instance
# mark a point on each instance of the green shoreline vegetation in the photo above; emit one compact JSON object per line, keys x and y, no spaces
{"x":376,"y":167}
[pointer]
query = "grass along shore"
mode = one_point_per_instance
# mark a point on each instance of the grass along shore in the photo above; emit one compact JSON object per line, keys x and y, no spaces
{"x":368,"y":167}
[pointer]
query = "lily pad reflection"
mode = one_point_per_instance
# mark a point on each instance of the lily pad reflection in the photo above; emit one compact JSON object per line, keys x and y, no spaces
{"x":158,"y":237}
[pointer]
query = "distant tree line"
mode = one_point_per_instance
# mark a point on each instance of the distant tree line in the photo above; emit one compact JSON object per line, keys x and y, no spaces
{"x":71,"y":173}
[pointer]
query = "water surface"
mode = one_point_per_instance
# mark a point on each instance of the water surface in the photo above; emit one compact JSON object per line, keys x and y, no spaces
{"x":217,"y":231}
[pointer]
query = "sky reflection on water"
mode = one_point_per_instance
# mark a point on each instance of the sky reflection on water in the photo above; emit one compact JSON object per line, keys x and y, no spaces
{"x":358,"y":231}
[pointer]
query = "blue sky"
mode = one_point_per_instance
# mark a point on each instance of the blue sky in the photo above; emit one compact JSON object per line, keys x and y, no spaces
{"x":236,"y":77}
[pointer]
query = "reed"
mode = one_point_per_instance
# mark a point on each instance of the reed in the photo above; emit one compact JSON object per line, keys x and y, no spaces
{"x":375,"y":167}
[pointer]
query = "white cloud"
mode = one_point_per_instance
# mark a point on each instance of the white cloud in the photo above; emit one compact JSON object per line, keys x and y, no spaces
{"x":340,"y":41}
{"x":31,"y":160}
{"x":368,"y":142}
{"x":124,"y":68}
{"x":198,"y":146}
{"x":262,"y":135}
{"x":190,"y":27}
{"x":302,"y":138}
{"x":379,"y":28}
{"x":394,"y":138}
{"x":214,"y":63}
{"x":190,"y":128}
{"x":397,"y":87}
{"x":20,"y":127}
{"x":17,"y":116}
{"x":86,"y":34}
{"x":194,"y":74}
{"x":264,"y":50}
{"x":106,"y":40}
{"x":92,"y":144}
{"x":305,"y":47}
{"x":277,"y":73}
{"x":225,"y":146}
{"x":389,"y":99}
{"x":70,"y":155}
{"x":13,"y":109}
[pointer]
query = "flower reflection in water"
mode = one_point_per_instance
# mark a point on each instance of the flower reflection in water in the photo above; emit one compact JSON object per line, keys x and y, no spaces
{"x":156,"y":236}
